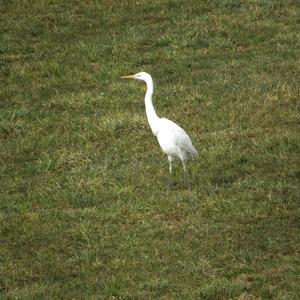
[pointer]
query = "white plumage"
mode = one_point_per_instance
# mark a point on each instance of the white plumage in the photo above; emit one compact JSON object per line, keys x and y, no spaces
{"x":173,"y":140}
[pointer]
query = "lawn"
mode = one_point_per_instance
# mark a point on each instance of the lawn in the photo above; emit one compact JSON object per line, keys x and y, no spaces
{"x":85,"y":207}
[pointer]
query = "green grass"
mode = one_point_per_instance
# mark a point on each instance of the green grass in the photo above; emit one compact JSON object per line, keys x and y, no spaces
{"x":85,"y":212}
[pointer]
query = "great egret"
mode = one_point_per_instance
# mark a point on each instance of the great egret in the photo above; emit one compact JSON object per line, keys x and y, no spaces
{"x":173,"y":140}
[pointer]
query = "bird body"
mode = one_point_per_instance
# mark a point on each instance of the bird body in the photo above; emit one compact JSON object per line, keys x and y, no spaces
{"x":173,"y":140}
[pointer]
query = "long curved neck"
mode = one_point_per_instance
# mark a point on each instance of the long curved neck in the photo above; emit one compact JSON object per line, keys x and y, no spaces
{"x":150,"y":111}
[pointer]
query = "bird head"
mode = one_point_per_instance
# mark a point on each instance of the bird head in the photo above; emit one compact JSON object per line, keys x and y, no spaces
{"x":143,"y":76}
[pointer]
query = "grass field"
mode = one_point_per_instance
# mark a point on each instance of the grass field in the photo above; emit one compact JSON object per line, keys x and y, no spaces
{"x":85,"y":209}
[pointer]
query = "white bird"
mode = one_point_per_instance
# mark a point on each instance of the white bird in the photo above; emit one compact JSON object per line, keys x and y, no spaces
{"x":173,"y":140}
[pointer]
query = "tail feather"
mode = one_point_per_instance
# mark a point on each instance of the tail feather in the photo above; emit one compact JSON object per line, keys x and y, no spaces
{"x":192,"y":152}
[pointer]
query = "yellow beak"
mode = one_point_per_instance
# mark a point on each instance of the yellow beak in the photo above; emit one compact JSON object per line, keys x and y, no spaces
{"x":128,"y":77}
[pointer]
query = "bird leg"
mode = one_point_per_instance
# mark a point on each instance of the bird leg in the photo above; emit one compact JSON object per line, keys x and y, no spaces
{"x":170,"y":171}
{"x":186,"y":175}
